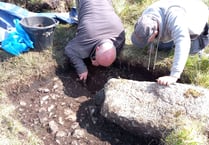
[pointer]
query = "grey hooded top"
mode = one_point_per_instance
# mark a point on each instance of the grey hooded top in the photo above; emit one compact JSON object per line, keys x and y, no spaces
{"x":97,"y":21}
{"x":178,"y":20}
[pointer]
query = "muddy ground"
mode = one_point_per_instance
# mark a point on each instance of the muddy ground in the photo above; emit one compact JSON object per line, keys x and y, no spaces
{"x":62,"y":110}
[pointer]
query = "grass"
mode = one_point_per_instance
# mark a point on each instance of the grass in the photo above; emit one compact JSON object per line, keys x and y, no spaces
{"x":22,"y":68}
{"x":188,"y":132}
{"x":37,"y":64}
{"x":197,"y":69}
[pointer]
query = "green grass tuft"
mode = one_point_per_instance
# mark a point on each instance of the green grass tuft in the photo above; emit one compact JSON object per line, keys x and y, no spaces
{"x":188,"y":132}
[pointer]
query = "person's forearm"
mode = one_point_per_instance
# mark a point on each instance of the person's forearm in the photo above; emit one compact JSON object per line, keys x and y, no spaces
{"x":180,"y":58}
{"x":78,"y":64}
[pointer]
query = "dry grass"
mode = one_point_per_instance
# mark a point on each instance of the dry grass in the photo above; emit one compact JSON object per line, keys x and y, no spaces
{"x":22,"y":68}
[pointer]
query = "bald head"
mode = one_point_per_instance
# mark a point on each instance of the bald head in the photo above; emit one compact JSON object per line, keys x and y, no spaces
{"x":106,"y":54}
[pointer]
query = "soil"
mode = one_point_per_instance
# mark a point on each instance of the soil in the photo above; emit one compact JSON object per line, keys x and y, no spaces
{"x":61,"y":110}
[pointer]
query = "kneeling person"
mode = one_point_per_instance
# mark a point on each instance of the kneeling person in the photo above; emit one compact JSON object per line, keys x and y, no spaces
{"x":100,"y":36}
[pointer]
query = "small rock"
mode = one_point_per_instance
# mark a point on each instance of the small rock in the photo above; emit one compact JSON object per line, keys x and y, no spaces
{"x":54,"y":96}
{"x":43,"y":90}
{"x":70,"y":115}
{"x":44,"y":98}
{"x":53,"y":126}
{"x":81,"y":99}
{"x":21,"y":109}
{"x":50,"y":108}
{"x":61,"y":134}
{"x":23,"y":103}
{"x":43,"y":117}
{"x":55,"y":79}
{"x":74,"y":125}
{"x":74,"y":142}
{"x":78,"y":133}
{"x":63,"y":104}
{"x":61,"y":121}
{"x":55,"y":87}
{"x":57,"y":141}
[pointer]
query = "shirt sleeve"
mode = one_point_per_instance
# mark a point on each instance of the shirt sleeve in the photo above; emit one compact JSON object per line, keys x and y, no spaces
{"x":178,"y":26}
{"x":76,"y":61}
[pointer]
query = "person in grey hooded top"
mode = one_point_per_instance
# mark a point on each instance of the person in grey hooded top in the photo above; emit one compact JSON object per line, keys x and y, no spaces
{"x":179,"y":21}
{"x":100,"y":36}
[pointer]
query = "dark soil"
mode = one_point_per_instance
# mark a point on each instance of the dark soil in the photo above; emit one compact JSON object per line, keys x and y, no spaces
{"x":62,"y":110}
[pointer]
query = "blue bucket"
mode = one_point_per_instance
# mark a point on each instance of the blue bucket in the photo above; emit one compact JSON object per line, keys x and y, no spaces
{"x":40,"y":30}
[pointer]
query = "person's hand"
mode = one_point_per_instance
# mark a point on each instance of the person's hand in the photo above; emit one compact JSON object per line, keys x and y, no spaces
{"x":83,"y":76}
{"x":167,"y":80}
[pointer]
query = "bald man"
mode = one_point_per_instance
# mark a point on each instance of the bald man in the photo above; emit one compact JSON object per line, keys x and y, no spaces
{"x":100,"y":36}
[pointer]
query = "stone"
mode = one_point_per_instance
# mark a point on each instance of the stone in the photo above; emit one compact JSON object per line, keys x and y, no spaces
{"x":53,"y":126}
{"x":149,"y":109}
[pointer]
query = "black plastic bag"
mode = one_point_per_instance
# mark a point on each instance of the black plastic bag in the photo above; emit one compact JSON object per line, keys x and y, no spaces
{"x":204,"y":37}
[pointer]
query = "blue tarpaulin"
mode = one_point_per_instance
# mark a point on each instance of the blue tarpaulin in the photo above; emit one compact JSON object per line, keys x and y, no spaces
{"x":9,"y":12}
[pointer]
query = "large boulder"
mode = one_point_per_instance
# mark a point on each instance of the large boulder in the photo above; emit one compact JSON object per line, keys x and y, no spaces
{"x":149,"y":109}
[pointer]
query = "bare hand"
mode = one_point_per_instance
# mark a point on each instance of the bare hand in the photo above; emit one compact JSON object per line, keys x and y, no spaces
{"x":166,"y":80}
{"x":83,"y":76}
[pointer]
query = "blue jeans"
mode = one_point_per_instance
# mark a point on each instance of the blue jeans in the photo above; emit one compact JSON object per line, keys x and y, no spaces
{"x":195,"y":46}
{"x":165,"y":46}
